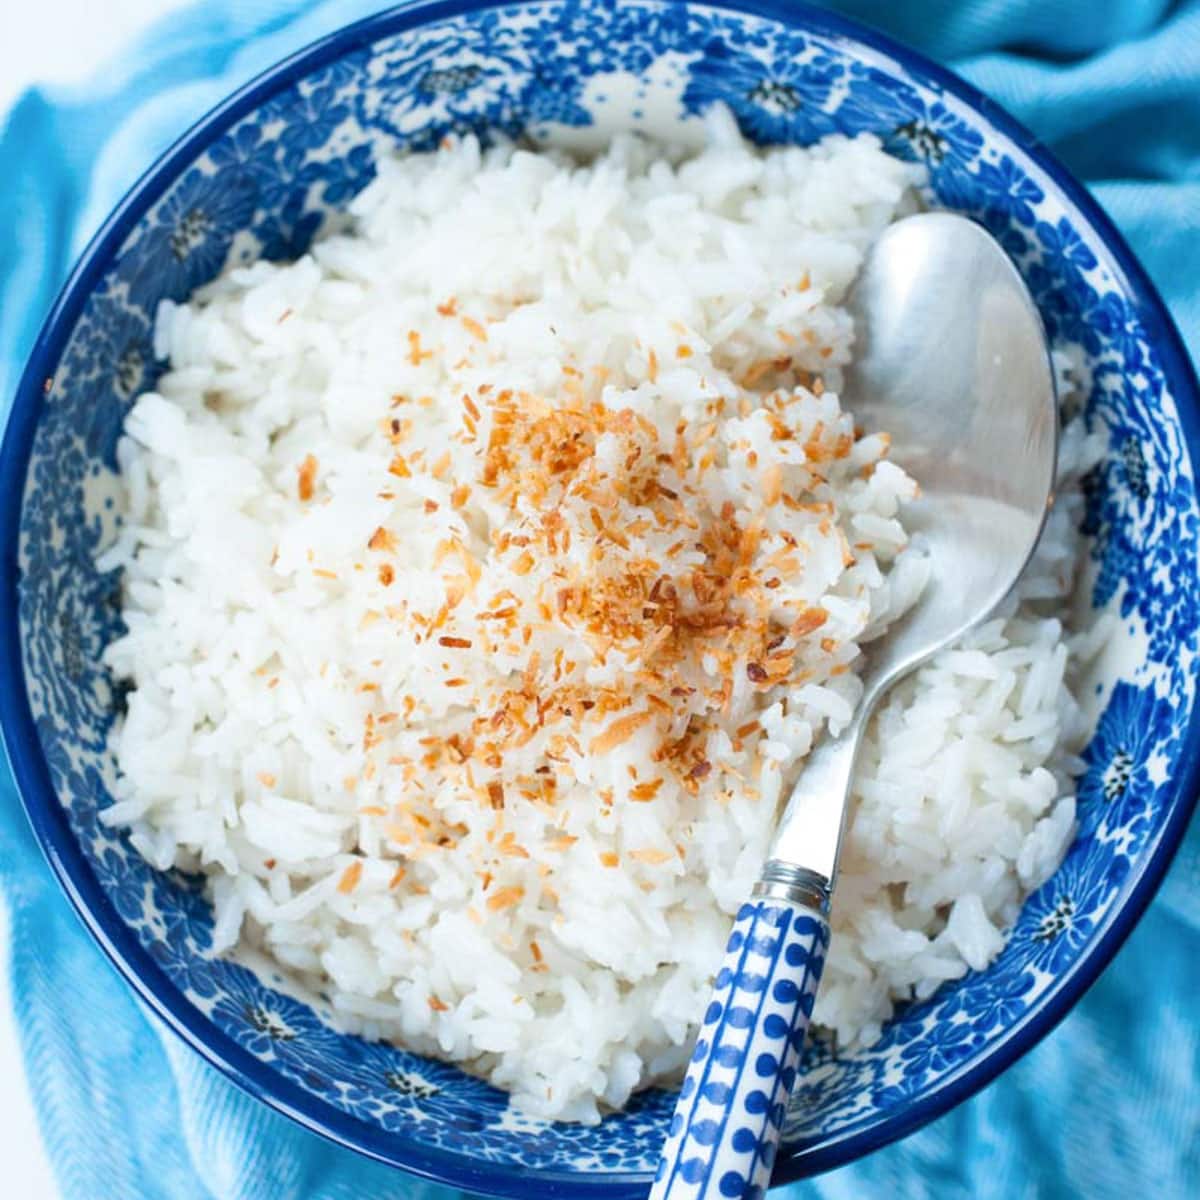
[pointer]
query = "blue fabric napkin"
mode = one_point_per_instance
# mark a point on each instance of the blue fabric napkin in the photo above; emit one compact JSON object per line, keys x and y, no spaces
{"x":1108,"y":1106}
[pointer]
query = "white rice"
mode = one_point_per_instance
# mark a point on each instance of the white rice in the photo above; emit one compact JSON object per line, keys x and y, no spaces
{"x":308,"y":728}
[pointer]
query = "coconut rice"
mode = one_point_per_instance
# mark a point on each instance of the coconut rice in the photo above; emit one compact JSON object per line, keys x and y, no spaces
{"x":490,"y":571}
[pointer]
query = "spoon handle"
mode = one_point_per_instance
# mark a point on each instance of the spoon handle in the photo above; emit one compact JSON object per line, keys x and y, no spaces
{"x":727,"y":1123}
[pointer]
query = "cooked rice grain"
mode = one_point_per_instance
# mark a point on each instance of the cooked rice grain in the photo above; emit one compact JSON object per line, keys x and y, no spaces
{"x":489,"y":572}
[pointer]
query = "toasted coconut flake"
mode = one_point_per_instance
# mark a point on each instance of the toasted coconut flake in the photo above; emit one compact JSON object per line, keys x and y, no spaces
{"x":645,"y":791}
{"x":620,"y":731}
{"x":772,"y":484}
{"x":382,"y":539}
{"x":505,"y":898}
{"x":416,"y":355}
{"x":306,"y":475}
{"x":651,"y":856}
{"x":807,"y":621}
{"x":350,"y":877}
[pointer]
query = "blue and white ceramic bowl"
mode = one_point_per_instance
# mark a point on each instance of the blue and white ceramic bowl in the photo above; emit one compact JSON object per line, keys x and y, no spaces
{"x":260,"y":176}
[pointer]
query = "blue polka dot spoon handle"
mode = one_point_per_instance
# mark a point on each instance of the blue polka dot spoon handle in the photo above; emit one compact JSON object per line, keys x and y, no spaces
{"x":727,"y":1124}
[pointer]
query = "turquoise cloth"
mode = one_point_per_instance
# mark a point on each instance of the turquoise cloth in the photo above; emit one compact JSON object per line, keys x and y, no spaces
{"x":1108,"y":1106}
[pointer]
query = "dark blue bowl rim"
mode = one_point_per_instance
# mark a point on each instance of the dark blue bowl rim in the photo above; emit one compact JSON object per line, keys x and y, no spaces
{"x":48,"y":819}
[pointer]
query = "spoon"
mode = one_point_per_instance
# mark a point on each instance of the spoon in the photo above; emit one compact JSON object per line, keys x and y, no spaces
{"x":953,"y":362}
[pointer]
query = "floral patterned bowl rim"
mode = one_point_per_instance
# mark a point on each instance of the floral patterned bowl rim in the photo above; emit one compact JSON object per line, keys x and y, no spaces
{"x":48,"y":818}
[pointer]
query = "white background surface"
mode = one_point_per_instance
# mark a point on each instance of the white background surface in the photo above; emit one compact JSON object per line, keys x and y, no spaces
{"x":47,"y":41}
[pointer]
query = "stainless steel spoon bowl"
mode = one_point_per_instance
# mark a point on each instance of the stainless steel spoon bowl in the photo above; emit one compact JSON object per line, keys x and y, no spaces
{"x":952,"y":361}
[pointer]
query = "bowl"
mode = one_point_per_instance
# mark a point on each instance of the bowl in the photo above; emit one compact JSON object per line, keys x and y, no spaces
{"x":261,"y":175}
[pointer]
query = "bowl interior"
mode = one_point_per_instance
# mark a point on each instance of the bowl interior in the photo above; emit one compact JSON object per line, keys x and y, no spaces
{"x":262,"y":178}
